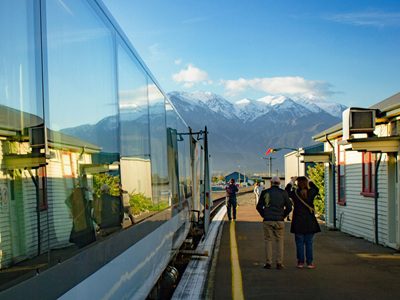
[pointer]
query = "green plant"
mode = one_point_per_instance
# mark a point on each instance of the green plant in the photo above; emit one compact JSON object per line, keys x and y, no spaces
{"x":317,"y":175}
{"x":104,"y":178}
{"x":140,"y":203}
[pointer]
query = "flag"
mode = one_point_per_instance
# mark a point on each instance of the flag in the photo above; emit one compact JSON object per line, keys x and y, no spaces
{"x":269,"y":151}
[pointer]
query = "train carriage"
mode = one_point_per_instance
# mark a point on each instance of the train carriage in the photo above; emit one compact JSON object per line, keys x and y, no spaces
{"x":101,"y":180}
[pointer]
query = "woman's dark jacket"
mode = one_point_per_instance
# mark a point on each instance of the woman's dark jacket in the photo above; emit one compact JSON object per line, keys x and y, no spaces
{"x":303,"y":220}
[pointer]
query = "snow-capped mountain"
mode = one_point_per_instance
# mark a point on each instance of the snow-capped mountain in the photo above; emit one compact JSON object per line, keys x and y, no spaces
{"x":249,"y":110}
{"x":332,"y":108}
{"x":208,"y":100}
{"x":240,"y":132}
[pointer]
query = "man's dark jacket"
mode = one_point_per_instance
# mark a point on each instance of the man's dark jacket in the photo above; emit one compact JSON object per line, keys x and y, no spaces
{"x":274,"y":204}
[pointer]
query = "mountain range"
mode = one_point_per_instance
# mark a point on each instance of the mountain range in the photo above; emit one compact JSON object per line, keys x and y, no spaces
{"x":239,"y":133}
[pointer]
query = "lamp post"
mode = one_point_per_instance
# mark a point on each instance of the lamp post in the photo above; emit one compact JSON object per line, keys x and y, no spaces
{"x":269,"y":164}
{"x":270,"y":150}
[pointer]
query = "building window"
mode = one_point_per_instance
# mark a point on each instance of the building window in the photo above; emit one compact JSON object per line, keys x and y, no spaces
{"x":67,"y":164}
{"x":341,"y":174}
{"x":368,"y":174}
{"x":42,"y":177}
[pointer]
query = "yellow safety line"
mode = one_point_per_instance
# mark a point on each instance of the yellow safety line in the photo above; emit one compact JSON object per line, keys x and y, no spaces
{"x":237,"y":287}
{"x":378,"y":256}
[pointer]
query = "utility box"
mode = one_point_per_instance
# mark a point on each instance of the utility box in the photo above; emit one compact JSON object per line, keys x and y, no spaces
{"x":358,"y":120}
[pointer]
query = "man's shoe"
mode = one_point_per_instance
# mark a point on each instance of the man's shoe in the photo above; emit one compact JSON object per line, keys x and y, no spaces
{"x":311,"y":266}
{"x":279,"y":266}
{"x":300,"y":265}
{"x":267,"y":266}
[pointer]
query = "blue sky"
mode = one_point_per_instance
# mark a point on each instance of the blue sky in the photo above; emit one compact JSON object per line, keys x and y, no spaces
{"x":342,"y":51}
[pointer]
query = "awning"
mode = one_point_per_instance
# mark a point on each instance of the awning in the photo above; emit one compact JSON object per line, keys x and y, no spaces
{"x":319,"y":157}
{"x":375,"y":144}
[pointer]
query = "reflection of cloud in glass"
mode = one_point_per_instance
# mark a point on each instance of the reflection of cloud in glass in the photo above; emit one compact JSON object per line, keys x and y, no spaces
{"x":168,"y":106}
{"x":132,"y":99}
{"x":65,"y":6}
{"x":155,"y":94}
{"x":76,"y":36}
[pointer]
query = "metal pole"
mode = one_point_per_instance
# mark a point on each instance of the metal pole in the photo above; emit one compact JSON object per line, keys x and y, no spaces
{"x":333,"y":164}
{"x":207,"y":189}
{"x":270,"y":167}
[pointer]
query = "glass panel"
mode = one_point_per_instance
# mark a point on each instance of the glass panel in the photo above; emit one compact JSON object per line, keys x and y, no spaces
{"x":23,"y":231}
{"x":83,"y":170}
{"x":158,"y":141}
{"x":373,"y":166}
{"x":342,"y":188}
{"x":172,"y":150}
{"x":366,"y":183}
{"x":182,"y":187}
{"x":134,"y":128}
{"x":184,"y":161}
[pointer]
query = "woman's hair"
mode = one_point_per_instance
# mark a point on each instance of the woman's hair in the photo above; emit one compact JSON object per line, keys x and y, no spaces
{"x":303,"y":179}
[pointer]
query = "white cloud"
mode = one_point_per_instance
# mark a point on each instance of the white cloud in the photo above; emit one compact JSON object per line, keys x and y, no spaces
{"x":289,"y":85}
{"x":178,"y":61}
{"x":156,"y":52}
{"x":368,"y":18}
{"x":190,"y":76}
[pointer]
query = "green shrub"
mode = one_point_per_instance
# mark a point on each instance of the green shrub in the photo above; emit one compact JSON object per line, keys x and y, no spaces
{"x":317,"y":175}
{"x":140,"y":204}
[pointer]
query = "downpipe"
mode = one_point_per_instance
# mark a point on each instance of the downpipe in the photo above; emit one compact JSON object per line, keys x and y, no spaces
{"x":376,"y":196}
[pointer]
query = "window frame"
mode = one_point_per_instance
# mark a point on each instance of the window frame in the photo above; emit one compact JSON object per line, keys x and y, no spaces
{"x":341,"y":178}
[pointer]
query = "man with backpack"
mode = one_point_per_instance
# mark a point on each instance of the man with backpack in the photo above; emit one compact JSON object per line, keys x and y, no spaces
{"x":274,"y":206}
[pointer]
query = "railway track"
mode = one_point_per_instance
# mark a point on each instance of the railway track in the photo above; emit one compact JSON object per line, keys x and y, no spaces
{"x":218,"y":202}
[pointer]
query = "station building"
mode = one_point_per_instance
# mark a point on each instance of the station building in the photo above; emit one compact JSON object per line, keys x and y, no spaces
{"x":362,"y":189}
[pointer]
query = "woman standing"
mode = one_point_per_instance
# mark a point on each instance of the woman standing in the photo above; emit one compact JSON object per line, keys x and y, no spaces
{"x":304,"y":224}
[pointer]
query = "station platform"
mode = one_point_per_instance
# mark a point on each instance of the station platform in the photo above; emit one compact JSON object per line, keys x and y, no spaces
{"x":346,"y":267}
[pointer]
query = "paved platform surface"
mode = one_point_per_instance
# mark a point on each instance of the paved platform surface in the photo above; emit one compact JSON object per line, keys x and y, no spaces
{"x":347,"y":267}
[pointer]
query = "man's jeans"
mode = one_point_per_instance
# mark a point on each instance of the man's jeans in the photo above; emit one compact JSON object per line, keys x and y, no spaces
{"x":304,"y":241}
{"x":274,"y":230}
{"x":231,"y":204}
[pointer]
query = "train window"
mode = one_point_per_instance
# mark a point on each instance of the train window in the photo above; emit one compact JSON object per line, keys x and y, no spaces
{"x":161,"y":193}
{"x":135,"y":163}
{"x":82,"y":113}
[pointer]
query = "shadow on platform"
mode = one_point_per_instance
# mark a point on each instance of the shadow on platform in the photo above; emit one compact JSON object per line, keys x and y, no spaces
{"x":347,"y":267}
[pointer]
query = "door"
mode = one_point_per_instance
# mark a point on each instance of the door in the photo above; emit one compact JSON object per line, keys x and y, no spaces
{"x":393,"y":203}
